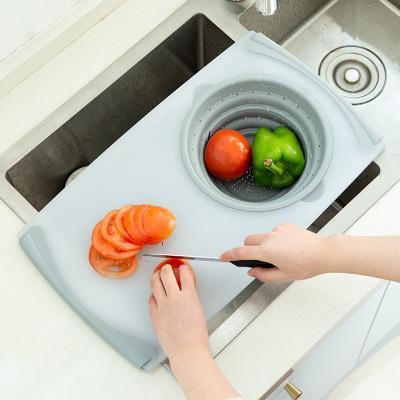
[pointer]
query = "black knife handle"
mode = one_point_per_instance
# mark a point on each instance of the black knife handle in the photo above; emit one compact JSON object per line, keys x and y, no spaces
{"x":252,"y":264}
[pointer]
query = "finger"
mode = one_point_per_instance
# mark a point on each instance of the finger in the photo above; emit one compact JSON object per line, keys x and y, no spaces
{"x":157,"y":287}
{"x":268,"y":274}
{"x":152,"y":304}
{"x":168,"y":280}
{"x":254,"y":240}
{"x":187,"y":278}
{"x":242,"y":253}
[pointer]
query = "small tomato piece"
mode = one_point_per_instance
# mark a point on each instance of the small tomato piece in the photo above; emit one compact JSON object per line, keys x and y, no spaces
{"x":175,"y":263}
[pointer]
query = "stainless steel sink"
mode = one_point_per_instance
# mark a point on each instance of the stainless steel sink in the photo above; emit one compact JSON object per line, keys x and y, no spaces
{"x":35,"y":169}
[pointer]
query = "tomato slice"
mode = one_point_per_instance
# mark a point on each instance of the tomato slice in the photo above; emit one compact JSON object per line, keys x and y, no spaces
{"x":111,"y":268}
{"x":106,"y":249}
{"x":158,"y":223}
{"x":111,"y":234}
{"x":131,"y":223}
{"x":175,"y":263}
{"x":119,"y":221}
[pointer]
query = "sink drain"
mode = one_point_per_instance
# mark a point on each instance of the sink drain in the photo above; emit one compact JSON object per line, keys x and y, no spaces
{"x":356,"y":72}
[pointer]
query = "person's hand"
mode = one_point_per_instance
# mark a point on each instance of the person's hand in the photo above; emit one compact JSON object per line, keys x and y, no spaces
{"x":177,"y":314}
{"x":296,"y":253}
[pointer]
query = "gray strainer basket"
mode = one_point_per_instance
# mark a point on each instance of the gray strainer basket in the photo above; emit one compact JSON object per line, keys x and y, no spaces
{"x":246,"y":105}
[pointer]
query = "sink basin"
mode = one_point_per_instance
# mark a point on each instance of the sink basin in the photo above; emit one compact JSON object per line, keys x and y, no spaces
{"x":35,"y":169}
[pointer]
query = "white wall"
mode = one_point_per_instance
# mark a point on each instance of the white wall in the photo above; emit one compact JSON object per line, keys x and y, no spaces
{"x":21,"y":20}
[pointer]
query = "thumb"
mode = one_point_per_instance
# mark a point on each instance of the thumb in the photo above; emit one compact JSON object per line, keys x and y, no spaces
{"x":242,"y":253}
{"x":267,"y":274}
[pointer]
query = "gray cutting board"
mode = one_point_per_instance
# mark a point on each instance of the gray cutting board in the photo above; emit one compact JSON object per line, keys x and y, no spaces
{"x":145,"y":166}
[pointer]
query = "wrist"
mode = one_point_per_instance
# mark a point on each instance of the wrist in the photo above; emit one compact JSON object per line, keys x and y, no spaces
{"x":329,"y":254}
{"x":186,"y":357}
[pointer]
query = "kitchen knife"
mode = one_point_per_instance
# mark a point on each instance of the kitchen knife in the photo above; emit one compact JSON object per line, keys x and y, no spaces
{"x":238,"y":263}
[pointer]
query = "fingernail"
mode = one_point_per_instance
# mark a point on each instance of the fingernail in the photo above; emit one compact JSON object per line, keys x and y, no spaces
{"x":251,"y":273}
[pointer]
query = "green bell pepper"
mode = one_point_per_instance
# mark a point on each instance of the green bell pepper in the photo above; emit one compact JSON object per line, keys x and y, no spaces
{"x":278,"y":159}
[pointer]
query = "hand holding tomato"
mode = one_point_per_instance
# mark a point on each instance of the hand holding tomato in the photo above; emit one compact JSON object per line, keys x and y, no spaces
{"x":179,"y":320}
{"x":227,"y":155}
{"x":177,"y":314}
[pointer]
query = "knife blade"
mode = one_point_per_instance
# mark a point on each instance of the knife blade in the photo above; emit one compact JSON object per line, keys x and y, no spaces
{"x":237,"y":263}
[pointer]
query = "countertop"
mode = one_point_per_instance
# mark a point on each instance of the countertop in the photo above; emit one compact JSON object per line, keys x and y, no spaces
{"x":48,"y":352}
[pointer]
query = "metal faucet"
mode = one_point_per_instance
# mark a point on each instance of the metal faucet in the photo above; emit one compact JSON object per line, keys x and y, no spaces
{"x":265,"y":7}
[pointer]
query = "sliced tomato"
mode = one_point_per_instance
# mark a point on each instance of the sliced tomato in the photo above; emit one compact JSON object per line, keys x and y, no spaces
{"x":130,"y":221}
{"x":138,"y":221}
{"x":112,"y":235}
{"x":111,"y":268}
{"x":175,"y":263}
{"x":158,"y":223}
{"x":119,"y":221}
{"x":106,"y":249}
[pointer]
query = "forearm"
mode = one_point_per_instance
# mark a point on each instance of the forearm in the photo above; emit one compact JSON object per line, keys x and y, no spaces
{"x":200,"y":378}
{"x":377,"y":256}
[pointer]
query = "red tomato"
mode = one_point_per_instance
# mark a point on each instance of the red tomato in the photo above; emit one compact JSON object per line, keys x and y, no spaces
{"x":107,"y":250}
{"x":175,"y":263}
{"x":227,"y":155}
{"x":111,"y":268}
{"x":112,"y":235}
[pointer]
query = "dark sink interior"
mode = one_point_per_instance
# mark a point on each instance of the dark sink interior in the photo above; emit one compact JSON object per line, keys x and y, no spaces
{"x":42,"y":173}
{"x":359,"y":184}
